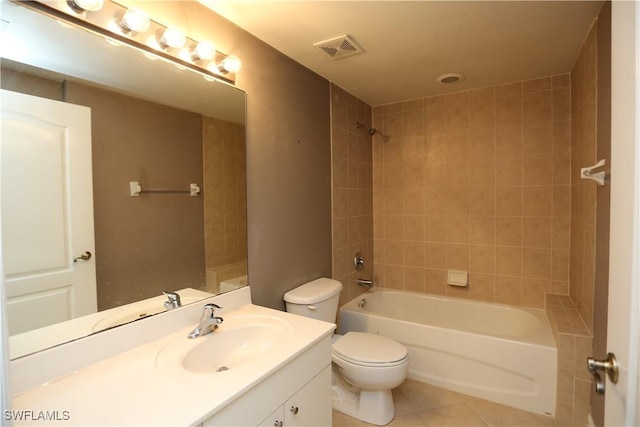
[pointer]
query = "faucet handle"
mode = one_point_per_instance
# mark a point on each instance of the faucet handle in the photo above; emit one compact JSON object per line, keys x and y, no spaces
{"x":209,"y":312}
{"x":211,"y":306}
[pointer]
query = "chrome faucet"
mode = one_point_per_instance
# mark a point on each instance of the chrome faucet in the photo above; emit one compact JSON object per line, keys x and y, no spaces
{"x":208,"y":322}
{"x":173,"y":300}
{"x":365,"y":282}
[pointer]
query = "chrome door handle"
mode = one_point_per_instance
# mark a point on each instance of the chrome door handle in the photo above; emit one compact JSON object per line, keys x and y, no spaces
{"x":85,"y":256}
{"x":609,"y":366}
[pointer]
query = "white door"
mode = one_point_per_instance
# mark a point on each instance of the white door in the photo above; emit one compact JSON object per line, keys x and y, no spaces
{"x":623,"y":329}
{"x":47,"y":211}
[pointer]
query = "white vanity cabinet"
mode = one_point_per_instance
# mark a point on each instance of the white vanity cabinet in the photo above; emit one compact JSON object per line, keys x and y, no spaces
{"x":311,"y":406}
{"x":308,"y":407}
{"x":275,"y":419}
{"x":303,"y":383}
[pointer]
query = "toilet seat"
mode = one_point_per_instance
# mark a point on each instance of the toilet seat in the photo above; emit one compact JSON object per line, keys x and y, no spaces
{"x":371,"y":350}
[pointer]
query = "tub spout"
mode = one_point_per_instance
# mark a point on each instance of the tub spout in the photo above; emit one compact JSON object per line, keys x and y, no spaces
{"x":365,"y":282}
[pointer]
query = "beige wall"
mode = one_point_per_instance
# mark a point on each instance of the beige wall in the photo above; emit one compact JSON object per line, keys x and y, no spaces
{"x":476,"y":181}
{"x":18,"y":80}
{"x":288,"y":173}
{"x":351,"y":159}
{"x":155,"y":242}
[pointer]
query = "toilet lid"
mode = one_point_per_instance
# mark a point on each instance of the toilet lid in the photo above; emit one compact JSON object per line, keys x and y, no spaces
{"x":369,"y":348}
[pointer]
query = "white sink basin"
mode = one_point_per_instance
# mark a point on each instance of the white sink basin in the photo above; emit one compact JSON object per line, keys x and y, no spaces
{"x":238,"y":341}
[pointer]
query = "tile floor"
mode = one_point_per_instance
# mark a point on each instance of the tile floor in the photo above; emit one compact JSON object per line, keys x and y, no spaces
{"x":419,"y":404}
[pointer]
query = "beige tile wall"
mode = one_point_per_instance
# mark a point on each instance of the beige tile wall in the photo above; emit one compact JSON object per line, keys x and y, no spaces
{"x":574,"y":346}
{"x":583,"y":193}
{"x":477,"y":181}
{"x":352,"y":190}
{"x":225,"y":194}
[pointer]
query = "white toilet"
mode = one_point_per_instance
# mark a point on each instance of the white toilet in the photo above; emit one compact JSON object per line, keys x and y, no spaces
{"x":371,"y":365}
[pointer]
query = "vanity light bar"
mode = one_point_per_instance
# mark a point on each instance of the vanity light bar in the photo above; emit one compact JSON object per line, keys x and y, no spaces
{"x":111,"y":21}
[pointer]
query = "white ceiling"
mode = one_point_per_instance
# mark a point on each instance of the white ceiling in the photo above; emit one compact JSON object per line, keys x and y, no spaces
{"x":409,"y":43}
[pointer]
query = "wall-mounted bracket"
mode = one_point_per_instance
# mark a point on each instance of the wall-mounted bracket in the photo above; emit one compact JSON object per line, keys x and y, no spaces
{"x":598,"y":177}
{"x":135,"y":189}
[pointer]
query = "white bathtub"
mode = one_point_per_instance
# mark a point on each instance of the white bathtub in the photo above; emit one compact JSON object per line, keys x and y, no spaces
{"x":495,"y":352}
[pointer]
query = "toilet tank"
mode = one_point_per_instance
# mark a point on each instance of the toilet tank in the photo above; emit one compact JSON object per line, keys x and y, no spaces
{"x":317,"y":299}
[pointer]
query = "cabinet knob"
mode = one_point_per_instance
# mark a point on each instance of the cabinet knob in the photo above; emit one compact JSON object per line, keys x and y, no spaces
{"x":278,"y":424}
{"x":294,"y":410}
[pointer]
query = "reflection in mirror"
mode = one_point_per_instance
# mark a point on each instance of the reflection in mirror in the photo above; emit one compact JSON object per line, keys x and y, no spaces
{"x":152,"y":123}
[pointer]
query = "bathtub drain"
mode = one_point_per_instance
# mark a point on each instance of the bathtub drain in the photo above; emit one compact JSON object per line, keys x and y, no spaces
{"x":362,"y":303}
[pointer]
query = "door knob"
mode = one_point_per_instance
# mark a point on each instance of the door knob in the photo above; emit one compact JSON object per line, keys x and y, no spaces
{"x":609,"y":366}
{"x":85,"y":256}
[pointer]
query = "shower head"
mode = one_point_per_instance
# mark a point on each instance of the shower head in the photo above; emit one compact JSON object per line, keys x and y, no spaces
{"x":370,"y":131}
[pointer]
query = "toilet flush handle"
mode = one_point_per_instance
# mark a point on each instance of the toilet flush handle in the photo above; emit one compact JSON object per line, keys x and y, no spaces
{"x":312,"y":307}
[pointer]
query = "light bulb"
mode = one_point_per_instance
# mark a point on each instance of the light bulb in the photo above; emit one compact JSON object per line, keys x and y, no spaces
{"x":135,"y":20}
{"x":174,"y":38}
{"x":86,"y":5}
{"x":204,"y":51}
{"x":230,"y":64}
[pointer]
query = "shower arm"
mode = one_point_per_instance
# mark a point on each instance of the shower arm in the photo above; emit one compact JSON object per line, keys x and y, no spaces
{"x":371,"y":131}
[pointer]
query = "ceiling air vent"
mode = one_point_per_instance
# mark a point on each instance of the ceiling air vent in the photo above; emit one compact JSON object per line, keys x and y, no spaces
{"x":340,"y":47}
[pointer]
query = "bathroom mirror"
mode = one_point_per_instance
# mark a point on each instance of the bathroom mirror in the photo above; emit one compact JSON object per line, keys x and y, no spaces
{"x":166,"y":241}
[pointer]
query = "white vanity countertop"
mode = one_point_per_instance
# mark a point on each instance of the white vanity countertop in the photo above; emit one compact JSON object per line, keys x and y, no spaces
{"x":130,"y":388}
